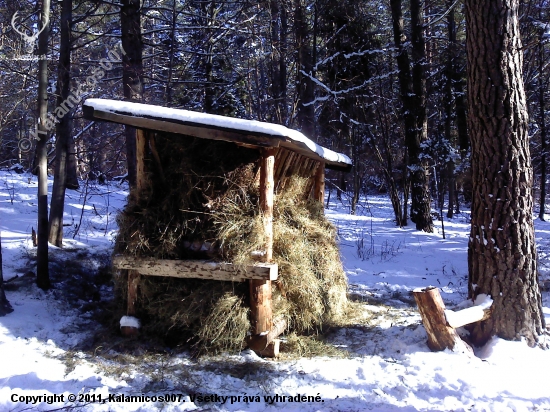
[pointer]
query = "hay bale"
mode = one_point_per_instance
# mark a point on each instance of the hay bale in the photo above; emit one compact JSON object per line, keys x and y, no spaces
{"x":209,"y":192}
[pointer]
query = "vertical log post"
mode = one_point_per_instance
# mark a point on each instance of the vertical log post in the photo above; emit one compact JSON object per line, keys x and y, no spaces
{"x":319,"y":188}
{"x":134,"y":276}
{"x":141,"y":145}
{"x":432,"y":311}
{"x":260,"y":290}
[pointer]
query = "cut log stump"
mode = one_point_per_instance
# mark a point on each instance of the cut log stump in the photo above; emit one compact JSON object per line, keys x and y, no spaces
{"x":432,"y":310}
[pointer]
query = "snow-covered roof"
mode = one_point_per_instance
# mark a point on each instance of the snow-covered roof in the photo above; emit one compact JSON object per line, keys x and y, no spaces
{"x":248,"y":132}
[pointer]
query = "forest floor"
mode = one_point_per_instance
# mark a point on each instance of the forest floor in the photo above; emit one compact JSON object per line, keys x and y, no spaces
{"x":52,"y":342}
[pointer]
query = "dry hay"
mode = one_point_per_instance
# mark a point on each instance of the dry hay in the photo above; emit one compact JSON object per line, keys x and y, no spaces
{"x":208,"y":198}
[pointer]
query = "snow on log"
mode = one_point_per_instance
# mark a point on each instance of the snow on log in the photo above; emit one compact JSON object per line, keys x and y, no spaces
{"x":129,"y":325}
{"x":130,"y":322}
{"x":480,"y":311}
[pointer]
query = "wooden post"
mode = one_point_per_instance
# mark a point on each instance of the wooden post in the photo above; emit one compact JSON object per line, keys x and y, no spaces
{"x":141,"y":145}
{"x":133,"y":276}
{"x":267,"y":184}
{"x":319,"y":188}
{"x":260,"y":290}
{"x":432,"y":311}
{"x":260,"y":306}
{"x":133,"y":283}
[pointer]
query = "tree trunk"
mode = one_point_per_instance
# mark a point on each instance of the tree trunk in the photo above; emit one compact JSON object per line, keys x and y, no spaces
{"x":5,"y":306}
{"x":304,"y":63}
{"x":449,"y":100}
{"x":64,"y":127}
{"x":542,"y":124}
{"x":132,"y":71}
{"x":413,"y":95}
{"x":282,"y":63}
{"x":42,"y":274}
{"x":502,"y":257}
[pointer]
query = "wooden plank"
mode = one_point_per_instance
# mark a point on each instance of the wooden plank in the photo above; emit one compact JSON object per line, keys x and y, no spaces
{"x":287,"y":170}
{"x":304,"y":150}
{"x":197,"y":269}
{"x":280,"y":160}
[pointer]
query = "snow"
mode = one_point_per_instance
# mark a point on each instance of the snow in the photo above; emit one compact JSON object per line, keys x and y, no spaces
{"x":252,"y":126}
{"x":48,"y":346}
{"x":130,"y":321}
{"x":469,"y":315}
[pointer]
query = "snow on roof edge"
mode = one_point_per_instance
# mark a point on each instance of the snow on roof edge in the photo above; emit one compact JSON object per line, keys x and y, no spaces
{"x":253,"y":126}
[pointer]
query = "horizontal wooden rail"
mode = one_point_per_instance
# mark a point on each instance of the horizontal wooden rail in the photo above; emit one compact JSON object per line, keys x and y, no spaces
{"x":197,"y":269}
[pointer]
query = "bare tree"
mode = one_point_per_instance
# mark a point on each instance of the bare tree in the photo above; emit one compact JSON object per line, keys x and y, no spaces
{"x":64,"y":127}
{"x":132,"y":71}
{"x":412,"y":84}
{"x":42,"y":273}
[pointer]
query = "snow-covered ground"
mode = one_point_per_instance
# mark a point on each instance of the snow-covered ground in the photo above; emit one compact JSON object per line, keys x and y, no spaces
{"x":48,"y":346}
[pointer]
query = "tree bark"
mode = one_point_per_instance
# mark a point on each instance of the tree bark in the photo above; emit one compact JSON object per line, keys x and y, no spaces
{"x":42,"y":274}
{"x":304,"y":62}
{"x":413,"y":95}
{"x":132,"y":71}
{"x":542,"y":124}
{"x":502,"y":257}
{"x":64,"y":127}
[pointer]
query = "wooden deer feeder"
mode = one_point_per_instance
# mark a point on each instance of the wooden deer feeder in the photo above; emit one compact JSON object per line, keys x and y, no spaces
{"x":282,"y":152}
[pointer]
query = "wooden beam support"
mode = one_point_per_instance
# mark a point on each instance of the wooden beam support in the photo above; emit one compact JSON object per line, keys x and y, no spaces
{"x":197,"y":269}
{"x":141,"y":150}
{"x":267,"y":186}
{"x":260,"y":307}
{"x":258,"y":343}
{"x":319,"y":188}
{"x":133,"y":285}
{"x":271,"y":350}
{"x":261,"y":313}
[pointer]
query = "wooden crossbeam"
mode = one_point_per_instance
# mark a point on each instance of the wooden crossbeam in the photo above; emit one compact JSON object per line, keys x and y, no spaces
{"x":197,"y":269}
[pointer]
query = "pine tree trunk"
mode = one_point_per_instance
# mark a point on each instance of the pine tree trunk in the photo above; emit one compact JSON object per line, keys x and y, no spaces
{"x":132,"y":71}
{"x":42,"y":273}
{"x":502,"y":257}
{"x":542,"y":126}
{"x":304,"y":63}
{"x":64,"y":127}
{"x":413,"y":95}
